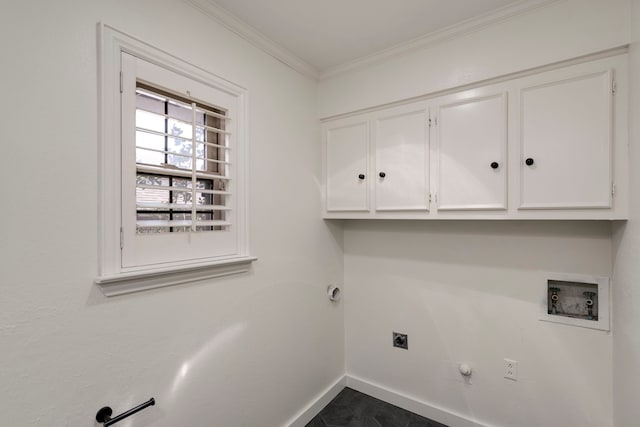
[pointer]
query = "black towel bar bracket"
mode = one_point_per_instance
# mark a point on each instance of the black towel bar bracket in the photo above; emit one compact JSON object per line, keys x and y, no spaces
{"x":104,"y":415}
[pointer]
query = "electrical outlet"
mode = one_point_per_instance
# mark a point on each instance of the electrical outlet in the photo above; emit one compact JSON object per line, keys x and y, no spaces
{"x":511,"y":369}
{"x":400,"y":340}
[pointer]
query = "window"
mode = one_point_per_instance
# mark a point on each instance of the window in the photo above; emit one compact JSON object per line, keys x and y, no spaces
{"x":173,"y":188}
{"x":178,"y":180}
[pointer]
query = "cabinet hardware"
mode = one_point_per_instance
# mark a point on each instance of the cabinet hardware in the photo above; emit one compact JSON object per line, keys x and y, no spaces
{"x":361,"y":176}
{"x":382,"y":174}
{"x":529,"y":161}
{"x":494,"y":165}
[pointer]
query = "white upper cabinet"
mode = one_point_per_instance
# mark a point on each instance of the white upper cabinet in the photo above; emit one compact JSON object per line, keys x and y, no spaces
{"x":401,"y":149}
{"x":472,"y":152}
{"x":346,"y":165}
{"x":566,"y":141}
{"x":548,"y":144}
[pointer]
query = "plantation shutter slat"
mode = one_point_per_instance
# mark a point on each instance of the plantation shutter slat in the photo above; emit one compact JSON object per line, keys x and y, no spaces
{"x":203,"y":127}
{"x":178,"y":189}
{"x":155,"y":169}
{"x":182,"y":155}
{"x":180,"y":223}
{"x":178,"y":119}
{"x":178,"y":206}
{"x":157,"y":96}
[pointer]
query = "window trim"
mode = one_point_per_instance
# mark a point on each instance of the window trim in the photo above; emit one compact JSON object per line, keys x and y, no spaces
{"x":112,"y":278}
{"x":124,"y":283}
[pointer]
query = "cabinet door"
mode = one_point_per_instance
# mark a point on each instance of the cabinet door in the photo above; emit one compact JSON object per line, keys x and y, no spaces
{"x":472,"y":153}
{"x":566,"y":138}
{"x":402,"y":158}
{"x":347,"y":148}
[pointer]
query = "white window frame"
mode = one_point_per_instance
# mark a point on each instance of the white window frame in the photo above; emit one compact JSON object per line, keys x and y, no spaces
{"x":114,"y":277}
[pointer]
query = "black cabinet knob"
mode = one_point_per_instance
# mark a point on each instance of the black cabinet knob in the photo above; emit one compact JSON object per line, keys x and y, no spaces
{"x":529,"y":161}
{"x":361,"y":176}
{"x":494,"y":165}
{"x":382,"y":174}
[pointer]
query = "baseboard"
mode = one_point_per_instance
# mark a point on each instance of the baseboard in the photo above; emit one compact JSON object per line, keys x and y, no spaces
{"x":409,"y":403}
{"x":321,"y":400}
{"x":399,"y":399}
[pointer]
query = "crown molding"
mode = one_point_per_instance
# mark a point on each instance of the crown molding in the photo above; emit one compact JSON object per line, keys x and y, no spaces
{"x":253,"y":36}
{"x":277,"y":51}
{"x":453,"y":31}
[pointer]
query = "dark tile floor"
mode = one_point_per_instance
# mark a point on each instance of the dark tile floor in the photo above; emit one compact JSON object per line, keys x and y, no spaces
{"x":351,"y":408}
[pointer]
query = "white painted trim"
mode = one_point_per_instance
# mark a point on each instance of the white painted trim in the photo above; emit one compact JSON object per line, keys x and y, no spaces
{"x":126,"y":283}
{"x":303,"y":417}
{"x":453,"y":31}
{"x":394,"y":397}
{"x":412,"y":404}
{"x":284,"y":55}
{"x":253,"y":36}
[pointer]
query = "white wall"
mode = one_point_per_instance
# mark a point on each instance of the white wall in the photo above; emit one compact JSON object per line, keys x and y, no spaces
{"x":626,"y":255}
{"x":249,"y":350}
{"x":562,"y":30}
{"x":469,"y":291}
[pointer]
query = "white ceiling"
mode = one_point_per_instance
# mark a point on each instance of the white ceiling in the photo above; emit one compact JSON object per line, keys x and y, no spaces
{"x":334,"y":32}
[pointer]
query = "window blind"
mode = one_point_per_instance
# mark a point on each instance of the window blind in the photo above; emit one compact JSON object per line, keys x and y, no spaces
{"x":182,"y":164}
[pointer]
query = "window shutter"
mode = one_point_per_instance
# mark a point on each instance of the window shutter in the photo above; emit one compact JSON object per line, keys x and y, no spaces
{"x":182,"y":164}
{"x":173,"y":169}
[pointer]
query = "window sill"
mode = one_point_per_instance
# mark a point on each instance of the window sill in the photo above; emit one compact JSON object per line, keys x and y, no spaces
{"x":125,"y":283}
